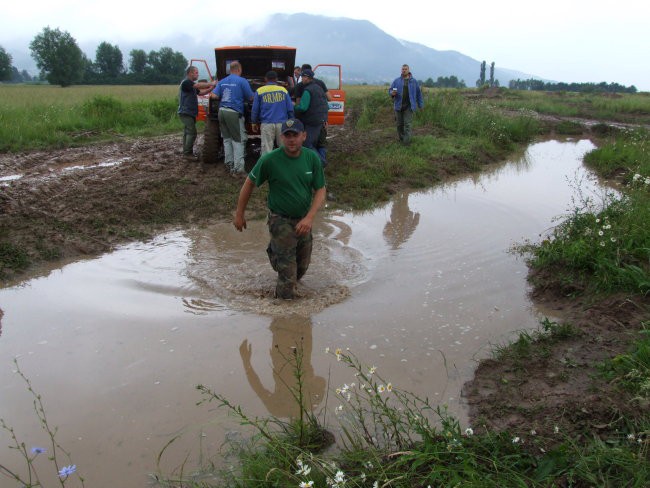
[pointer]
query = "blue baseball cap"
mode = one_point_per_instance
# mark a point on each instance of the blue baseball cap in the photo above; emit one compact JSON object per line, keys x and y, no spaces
{"x":292,"y":125}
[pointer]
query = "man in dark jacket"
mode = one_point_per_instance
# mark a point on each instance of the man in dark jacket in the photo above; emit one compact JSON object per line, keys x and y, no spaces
{"x":312,"y":112}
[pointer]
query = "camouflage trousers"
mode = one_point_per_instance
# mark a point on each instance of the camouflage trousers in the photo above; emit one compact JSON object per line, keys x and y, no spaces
{"x":289,"y":253}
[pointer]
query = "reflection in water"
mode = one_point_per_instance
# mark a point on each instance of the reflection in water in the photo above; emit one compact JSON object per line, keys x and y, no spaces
{"x":290,"y":335}
{"x":402,"y":222}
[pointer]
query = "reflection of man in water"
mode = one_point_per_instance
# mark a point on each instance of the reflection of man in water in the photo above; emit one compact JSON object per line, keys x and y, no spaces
{"x":402,"y":222}
{"x":288,"y":333}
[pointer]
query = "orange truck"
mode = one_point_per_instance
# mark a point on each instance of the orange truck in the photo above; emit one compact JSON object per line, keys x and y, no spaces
{"x":256,"y":62}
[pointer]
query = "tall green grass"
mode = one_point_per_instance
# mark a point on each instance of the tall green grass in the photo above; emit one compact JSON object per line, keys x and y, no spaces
{"x":621,"y":108}
{"x":42,"y":116}
{"x":451,"y":111}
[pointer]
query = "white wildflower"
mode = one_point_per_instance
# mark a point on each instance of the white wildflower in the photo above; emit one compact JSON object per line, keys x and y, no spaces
{"x":469,"y":432}
{"x":516,"y":440}
{"x":339,"y":477}
{"x":306,"y":484}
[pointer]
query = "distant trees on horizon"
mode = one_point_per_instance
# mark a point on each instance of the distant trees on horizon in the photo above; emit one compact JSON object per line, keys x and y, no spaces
{"x":539,"y":85}
{"x":61,"y":62}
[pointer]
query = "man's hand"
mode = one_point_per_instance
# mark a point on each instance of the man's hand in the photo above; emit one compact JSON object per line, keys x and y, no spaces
{"x":239,"y":222}
{"x":304,"y":226}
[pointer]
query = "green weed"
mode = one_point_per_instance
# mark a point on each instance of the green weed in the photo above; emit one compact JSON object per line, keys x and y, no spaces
{"x":631,"y":371}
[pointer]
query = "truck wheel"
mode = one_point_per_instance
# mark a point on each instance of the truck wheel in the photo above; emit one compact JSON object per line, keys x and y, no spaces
{"x":212,"y":142}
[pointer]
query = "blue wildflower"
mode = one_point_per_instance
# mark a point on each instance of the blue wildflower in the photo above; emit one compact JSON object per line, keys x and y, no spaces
{"x":38,"y":450}
{"x":66,"y":471}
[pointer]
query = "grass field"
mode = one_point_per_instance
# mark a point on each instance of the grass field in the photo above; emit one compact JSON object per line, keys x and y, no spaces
{"x":44,"y":116}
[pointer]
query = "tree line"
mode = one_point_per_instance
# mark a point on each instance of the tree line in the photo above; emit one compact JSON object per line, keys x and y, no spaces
{"x":539,"y":85}
{"x":61,"y":62}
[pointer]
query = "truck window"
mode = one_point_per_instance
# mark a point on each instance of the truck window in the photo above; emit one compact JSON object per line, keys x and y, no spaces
{"x":329,"y":75}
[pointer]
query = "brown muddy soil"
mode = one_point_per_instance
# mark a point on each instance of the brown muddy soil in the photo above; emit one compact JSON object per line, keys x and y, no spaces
{"x":82,"y":201}
{"x":558,"y":390}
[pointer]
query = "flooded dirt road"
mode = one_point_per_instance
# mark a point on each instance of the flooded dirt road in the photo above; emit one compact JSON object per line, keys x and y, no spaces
{"x":419,"y":288}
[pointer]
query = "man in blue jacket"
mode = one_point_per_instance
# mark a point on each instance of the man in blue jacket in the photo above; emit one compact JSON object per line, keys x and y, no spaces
{"x":233,"y":92}
{"x":407,"y":98}
{"x":271,"y":106}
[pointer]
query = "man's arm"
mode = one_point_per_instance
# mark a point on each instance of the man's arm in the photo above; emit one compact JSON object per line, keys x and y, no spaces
{"x":304,"y":226}
{"x":304,"y":102}
{"x":244,"y":195}
{"x":419,"y":97}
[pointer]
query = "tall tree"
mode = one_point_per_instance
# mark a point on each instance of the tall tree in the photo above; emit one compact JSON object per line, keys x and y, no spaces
{"x":167,"y":62}
{"x":5,"y":65}
{"x":492,"y":73}
{"x":481,"y":80}
{"x":138,"y":61}
{"x":58,"y":56}
{"x":108,"y":60}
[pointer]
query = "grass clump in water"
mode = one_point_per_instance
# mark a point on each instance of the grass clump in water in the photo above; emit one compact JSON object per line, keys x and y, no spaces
{"x":604,"y":246}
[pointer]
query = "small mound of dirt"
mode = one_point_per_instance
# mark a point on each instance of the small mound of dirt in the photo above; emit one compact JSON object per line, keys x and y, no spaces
{"x":558,"y":390}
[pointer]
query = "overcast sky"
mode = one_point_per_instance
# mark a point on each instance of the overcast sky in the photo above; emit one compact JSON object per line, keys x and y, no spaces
{"x":581,"y":41}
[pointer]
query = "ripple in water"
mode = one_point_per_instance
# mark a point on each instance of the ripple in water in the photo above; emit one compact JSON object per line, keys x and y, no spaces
{"x":232,"y":269}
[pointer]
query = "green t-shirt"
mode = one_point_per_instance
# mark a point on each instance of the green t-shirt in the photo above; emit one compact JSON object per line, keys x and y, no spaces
{"x":292,"y":181}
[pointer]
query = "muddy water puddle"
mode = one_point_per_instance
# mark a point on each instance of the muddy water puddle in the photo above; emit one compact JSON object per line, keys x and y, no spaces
{"x":419,"y":288}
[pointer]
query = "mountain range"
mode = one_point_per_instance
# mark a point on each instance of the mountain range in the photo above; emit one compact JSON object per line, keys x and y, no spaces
{"x":366,"y":53}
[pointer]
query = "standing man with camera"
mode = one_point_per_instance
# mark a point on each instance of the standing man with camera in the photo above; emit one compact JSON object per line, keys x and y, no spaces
{"x":407,"y":99}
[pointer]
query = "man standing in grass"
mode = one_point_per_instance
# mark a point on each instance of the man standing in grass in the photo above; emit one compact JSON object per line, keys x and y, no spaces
{"x":296,"y":192}
{"x":188,"y":107}
{"x":407,"y":98}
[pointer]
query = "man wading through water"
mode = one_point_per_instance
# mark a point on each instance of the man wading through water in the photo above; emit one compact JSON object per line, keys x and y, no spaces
{"x":296,"y":192}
